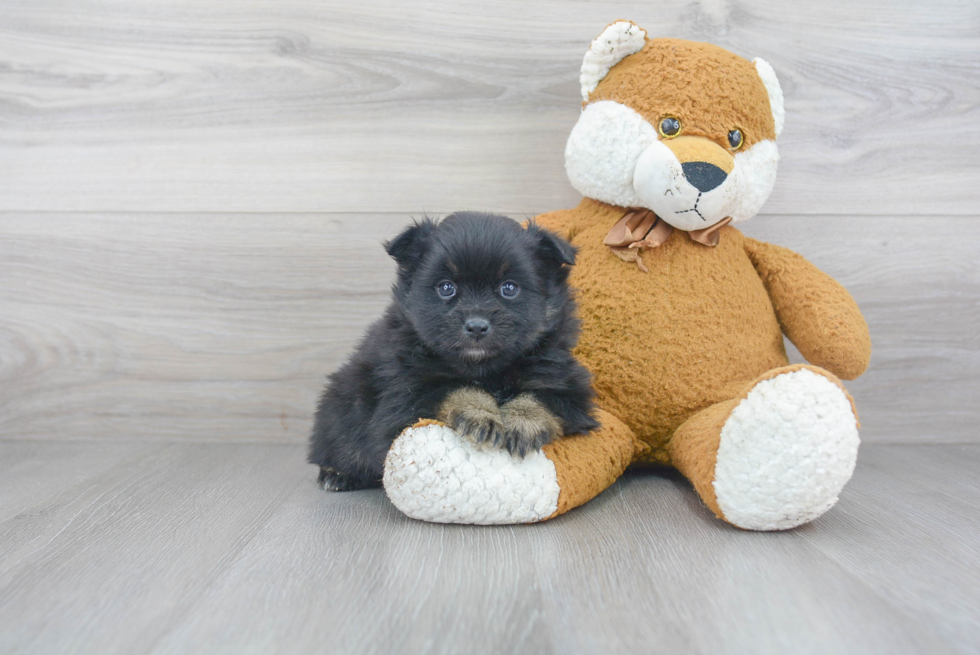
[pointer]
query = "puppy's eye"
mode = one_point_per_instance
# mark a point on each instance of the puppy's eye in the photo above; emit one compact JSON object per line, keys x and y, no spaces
{"x":669,"y":127}
{"x":735,"y":139}
{"x":446,"y":289}
{"x":509,"y":290}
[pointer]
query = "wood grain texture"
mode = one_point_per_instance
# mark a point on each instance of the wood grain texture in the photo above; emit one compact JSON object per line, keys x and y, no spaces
{"x":921,"y":509}
{"x":181,"y":326}
{"x":97,"y":566}
{"x":256,"y":105}
{"x":232,"y":548}
{"x":29,"y":472}
{"x":205,"y":327}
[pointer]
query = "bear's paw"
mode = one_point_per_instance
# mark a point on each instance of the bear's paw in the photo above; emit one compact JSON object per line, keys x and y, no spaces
{"x":432,"y":474}
{"x":786,"y":452}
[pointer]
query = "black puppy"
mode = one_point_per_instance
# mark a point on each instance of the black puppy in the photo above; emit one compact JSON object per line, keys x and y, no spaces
{"x":479,"y":334}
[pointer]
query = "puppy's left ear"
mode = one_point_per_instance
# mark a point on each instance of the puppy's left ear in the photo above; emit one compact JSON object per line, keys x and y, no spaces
{"x":551,"y":247}
{"x":408,"y":248}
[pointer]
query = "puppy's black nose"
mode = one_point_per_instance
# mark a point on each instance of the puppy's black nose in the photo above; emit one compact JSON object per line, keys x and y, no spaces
{"x":477,"y":327}
{"x":703,"y":176}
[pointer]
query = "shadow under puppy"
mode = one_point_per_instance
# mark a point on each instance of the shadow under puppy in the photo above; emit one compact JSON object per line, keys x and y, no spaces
{"x":479,"y":334}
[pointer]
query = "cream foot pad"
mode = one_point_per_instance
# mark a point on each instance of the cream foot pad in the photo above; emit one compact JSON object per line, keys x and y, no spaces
{"x":432,"y":474}
{"x":786,"y":452}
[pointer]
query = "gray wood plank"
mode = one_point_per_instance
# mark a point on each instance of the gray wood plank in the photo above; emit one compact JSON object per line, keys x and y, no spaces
{"x":205,"y":327}
{"x":181,"y":326}
{"x":907,"y":526}
{"x":285,"y":106}
{"x":232,"y":547}
{"x":659,"y":569}
{"x":32,"y":471}
{"x":955,"y":474}
{"x":104,"y":567}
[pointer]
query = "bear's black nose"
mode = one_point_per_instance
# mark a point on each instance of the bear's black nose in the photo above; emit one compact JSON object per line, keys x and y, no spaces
{"x":477,"y":327}
{"x":703,"y":176}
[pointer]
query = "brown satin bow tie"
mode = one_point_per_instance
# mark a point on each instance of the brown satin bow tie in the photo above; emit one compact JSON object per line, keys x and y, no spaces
{"x":641,"y":229}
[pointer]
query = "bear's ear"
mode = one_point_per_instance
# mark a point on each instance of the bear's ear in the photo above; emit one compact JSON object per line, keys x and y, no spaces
{"x":408,"y":248}
{"x":618,"y":41}
{"x":551,"y":247}
{"x":768,"y":76}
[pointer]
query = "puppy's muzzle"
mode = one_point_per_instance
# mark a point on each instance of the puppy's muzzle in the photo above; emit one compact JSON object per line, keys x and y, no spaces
{"x":687,"y":181}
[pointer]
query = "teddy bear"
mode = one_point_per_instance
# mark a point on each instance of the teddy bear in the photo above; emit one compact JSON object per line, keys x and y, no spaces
{"x":682,"y":315}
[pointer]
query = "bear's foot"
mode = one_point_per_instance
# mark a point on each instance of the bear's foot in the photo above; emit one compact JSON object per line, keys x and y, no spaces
{"x":785,"y":451}
{"x":433,"y":474}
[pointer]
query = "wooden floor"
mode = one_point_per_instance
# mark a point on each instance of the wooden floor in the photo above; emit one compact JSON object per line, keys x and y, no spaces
{"x":218,"y":547}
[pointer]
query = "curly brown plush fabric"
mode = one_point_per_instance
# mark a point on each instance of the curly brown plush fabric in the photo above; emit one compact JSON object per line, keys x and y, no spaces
{"x":676,"y":341}
{"x":822,"y":320}
{"x":681,"y":344}
{"x":579,"y":479}
{"x":664,"y":344}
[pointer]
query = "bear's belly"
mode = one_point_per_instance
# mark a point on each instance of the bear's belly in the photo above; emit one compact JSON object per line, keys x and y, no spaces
{"x":665,"y":344}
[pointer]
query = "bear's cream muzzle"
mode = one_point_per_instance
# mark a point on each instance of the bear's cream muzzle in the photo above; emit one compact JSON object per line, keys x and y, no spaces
{"x":690,"y":182}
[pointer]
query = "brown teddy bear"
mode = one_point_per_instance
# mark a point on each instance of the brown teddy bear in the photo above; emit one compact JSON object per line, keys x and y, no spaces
{"x":683,"y":317}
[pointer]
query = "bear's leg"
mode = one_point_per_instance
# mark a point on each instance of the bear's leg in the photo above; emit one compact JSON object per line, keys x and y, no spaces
{"x":432,"y":474}
{"x":775,"y":457}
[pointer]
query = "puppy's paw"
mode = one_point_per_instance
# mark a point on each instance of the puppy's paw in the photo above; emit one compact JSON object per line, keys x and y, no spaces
{"x":474,"y":414}
{"x":333,"y":480}
{"x":528,"y":425}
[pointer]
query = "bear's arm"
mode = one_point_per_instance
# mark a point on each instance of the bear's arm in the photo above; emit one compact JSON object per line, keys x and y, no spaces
{"x":815,"y":312}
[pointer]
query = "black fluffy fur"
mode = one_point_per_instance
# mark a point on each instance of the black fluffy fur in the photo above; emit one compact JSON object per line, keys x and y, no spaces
{"x":420,"y":351}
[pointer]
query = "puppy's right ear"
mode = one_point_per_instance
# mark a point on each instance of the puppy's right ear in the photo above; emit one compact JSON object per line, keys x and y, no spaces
{"x":551,"y":247}
{"x":408,"y":248}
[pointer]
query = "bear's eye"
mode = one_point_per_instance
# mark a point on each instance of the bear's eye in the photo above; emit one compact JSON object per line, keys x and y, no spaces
{"x":735,"y":139}
{"x":669,"y":127}
{"x":509,"y":290}
{"x":446,"y":289}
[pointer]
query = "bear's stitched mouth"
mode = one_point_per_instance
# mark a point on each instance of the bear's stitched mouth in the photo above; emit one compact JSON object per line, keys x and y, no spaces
{"x":695,"y":208}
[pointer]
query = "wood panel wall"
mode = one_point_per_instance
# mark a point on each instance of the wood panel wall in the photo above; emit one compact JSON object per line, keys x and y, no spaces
{"x":193,"y":193}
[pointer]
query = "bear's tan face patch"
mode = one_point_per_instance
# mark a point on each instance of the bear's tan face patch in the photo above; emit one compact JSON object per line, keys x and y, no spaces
{"x":708,"y":89}
{"x":689,"y":148}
